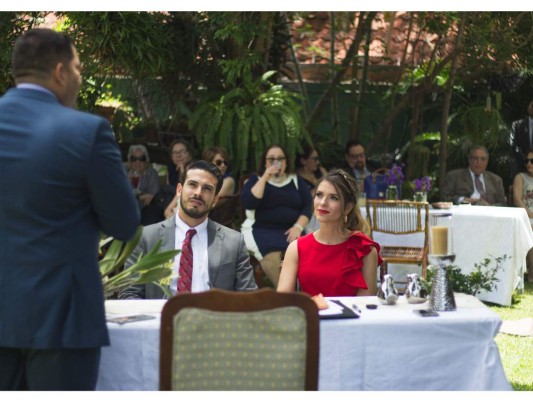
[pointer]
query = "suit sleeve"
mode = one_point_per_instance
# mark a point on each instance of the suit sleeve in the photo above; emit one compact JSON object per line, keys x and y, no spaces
{"x":244,"y":274}
{"x":499,"y":198}
{"x":135,"y":292}
{"x":448,"y":188}
{"x":112,"y":199}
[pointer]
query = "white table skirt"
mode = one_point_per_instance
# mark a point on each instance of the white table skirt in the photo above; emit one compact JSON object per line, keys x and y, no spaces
{"x":390,"y":348}
{"x":484,"y":232}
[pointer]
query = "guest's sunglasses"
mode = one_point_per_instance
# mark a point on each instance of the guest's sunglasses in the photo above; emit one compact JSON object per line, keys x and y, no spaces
{"x":141,"y":159}
{"x":218,"y":163}
{"x":529,"y":160}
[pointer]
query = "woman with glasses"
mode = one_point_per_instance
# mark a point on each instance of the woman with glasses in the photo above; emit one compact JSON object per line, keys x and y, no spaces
{"x":523,"y":197}
{"x":339,"y":259}
{"x":219,"y":157}
{"x":181,"y":155}
{"x":278,"y":207}
{"x":144,"y":181}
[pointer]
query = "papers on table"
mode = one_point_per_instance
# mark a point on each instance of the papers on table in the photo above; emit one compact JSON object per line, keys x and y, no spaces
{"x":333,"y":309}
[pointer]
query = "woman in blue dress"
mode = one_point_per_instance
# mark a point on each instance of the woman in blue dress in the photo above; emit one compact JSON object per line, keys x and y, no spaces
{"x":277,"y":203}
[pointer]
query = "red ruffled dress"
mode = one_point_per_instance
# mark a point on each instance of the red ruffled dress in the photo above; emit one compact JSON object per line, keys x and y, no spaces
{"x":333,"y":270}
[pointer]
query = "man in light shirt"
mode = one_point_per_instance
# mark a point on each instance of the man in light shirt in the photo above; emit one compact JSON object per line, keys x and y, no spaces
{"x":220,"y":258}
{"x":474,"y":185}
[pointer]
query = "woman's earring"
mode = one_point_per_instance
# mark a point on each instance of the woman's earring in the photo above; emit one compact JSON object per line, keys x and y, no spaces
{"x":345,"y":219}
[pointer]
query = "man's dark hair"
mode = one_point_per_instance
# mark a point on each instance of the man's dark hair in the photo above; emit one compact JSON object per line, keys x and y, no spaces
{"x":350,"y":144}
{"x":206,"y":166}
{"x":38,"y":51}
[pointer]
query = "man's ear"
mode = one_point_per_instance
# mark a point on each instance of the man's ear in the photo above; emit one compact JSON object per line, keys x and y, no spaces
{"x":58,"y":74}
{"x":215,"y":201}
{"x":179,"y":189}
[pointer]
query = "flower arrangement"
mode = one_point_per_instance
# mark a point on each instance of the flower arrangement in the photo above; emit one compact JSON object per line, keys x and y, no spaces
{"x":395,"y":175}
{"x":422,"y":184}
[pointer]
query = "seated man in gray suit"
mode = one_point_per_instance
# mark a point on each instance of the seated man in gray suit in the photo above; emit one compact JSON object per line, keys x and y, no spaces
{"x":474,"y":184}
{"x":219,"y":256}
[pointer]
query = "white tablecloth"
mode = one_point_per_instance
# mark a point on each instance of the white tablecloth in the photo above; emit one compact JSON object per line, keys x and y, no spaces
{"x":390,"y":348}
{"x":481,"y":232}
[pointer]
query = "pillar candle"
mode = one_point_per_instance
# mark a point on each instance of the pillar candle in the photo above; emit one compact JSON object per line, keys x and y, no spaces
{"x":439,"y":240}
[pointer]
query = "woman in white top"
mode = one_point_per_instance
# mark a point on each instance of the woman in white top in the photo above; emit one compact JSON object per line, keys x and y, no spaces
{"x":523,"y":197}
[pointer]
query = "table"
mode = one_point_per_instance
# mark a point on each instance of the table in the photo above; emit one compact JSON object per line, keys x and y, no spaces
{"x":390,"y":348}
{"x":481,"y":232}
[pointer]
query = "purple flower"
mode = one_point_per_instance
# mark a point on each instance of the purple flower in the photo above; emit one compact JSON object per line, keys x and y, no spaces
{"x":395,"y":175}
{"x":422,"y":184}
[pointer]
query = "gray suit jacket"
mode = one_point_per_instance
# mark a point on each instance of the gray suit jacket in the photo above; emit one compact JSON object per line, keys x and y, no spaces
{"x":229,"y":261}
{"x":458,"y":183}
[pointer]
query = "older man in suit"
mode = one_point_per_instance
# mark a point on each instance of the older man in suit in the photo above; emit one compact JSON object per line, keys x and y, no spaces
{"x":219,"y":255}
{"x":474,"y":184}
{"x":62,"y":183}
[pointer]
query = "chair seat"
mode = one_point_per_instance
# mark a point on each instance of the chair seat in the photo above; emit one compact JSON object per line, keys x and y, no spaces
{"x":397,"y":254}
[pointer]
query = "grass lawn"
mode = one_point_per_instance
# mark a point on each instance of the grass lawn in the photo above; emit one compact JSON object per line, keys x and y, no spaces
{"x":516,"y":352}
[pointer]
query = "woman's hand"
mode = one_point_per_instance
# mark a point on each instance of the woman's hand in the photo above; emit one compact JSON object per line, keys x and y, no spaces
{"x":271,"y":171}
{"x":145,"y":199}
{"x":293,"y":233}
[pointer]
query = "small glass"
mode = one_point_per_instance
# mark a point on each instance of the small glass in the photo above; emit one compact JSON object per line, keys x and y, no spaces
{"x":361,"y":201}
{"x":391,"y":193}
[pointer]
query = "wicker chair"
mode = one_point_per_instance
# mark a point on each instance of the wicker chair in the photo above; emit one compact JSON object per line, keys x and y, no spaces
{"x":226,"y":211}
{"x":400,"y":217}
{"x":222,"y":340}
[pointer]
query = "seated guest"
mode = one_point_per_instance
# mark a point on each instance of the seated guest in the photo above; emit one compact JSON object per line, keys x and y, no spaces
{"x":356,"y":163}
{"x":311,"y":172}
{"x":309,"y":167}
{"x":181,"y":155}
{"x":144,"y":181}
{"x":219,"y":157}
{"x":278,"y":208}
{"x":474,"y":185}
{"x":523,"y":197}
{"x":339,"y":259}
{"x":219,"y":255}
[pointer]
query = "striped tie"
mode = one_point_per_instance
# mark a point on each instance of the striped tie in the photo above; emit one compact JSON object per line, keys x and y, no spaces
{"x":480,"y":189}
{"x":185,"y":272}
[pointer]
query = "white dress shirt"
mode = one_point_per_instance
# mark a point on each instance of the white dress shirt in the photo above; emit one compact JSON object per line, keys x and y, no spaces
{"x":476,"y":194}
{"x":200,"y":274}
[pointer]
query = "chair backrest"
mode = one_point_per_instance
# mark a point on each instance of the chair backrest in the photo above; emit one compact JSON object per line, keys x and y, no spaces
{"x":222,"y":340}
{"x":226,"y":211}
{"x":398,"y":217}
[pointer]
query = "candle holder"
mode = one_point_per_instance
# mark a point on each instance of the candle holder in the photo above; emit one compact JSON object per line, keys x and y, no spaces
{"x":441,"y":255}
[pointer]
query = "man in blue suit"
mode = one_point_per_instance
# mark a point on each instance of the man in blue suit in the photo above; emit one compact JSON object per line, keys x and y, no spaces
{"x":62,"y":181}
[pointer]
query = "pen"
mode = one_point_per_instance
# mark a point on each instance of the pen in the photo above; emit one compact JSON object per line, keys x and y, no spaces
{"x":356,"y":309}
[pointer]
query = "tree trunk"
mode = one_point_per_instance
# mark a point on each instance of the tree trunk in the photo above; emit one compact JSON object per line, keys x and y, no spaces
{"x":443,"y":154}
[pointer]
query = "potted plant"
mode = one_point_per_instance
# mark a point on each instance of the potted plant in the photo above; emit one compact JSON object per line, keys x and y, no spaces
{"x":152,"y":267}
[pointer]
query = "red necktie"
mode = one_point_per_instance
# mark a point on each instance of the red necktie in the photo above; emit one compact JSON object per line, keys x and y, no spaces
{"x":185,"y":272}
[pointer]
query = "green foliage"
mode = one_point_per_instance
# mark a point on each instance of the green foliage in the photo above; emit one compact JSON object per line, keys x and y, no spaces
{"x":249,"y":118}
{"x":13,"y":24}
{"x":153,"y":267}
{"x":483,"y":277}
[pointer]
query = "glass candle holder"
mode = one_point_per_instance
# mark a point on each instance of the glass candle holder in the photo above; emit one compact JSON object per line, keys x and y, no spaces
{"x":440,"y":233}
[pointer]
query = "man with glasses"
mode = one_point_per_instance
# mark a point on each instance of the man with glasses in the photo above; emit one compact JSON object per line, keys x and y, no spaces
{"x":474,"y":185}
{"x":355,"y":162}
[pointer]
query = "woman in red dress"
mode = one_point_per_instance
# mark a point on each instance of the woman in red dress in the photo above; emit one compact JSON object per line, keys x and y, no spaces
{"x":339,"y":259}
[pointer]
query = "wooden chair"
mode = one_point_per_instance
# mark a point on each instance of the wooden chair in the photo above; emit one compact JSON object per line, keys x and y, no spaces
{"x":226,"y":211}
{"x":400,"y":217}
{"x":222,"y":340}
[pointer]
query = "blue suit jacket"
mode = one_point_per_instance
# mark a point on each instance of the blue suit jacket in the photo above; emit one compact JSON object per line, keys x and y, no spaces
{"x":61,"y":182}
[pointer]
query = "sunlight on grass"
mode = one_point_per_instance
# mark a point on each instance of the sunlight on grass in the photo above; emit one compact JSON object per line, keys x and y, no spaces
{"x":516,"y":352}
